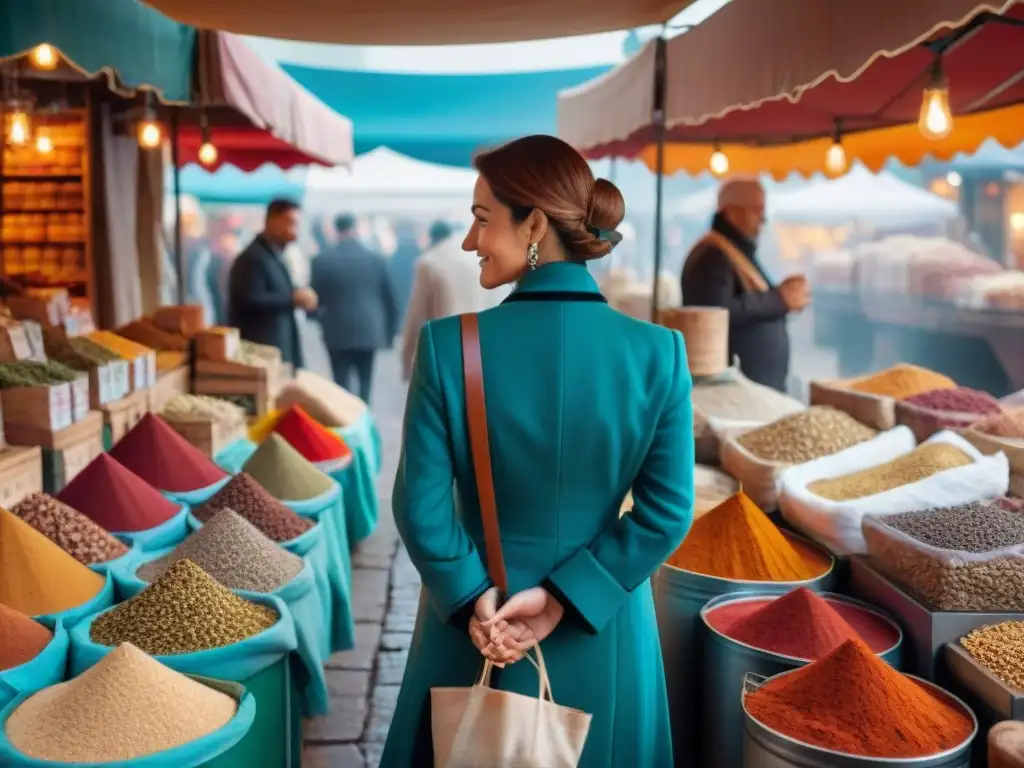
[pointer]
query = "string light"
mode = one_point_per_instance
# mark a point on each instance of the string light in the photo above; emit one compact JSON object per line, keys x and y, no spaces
{"x":148,"y":131}
{"x":44,"y":56}
{"x":954,"y":179}
{"x":719,"y":163}
{"x":935,"y":120}
{"x":20,"y":129}
{"x":207,"y":151}
{"x":835,"y":155}
{"x":44,"y":144}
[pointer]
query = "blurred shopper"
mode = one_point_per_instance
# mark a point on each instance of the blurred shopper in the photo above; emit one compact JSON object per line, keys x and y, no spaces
{"x":359,"y":307}
{"x":722,"y":270}
{"x":447,"y":282}
{"x":262,"y":298}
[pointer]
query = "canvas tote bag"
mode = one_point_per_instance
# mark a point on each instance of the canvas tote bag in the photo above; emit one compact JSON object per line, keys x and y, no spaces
{"x":482,"y":727}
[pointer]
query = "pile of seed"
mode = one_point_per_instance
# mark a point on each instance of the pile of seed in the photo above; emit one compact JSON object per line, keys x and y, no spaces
{"x":203,"y":408}
{"x":69,"y":529}
{"x":956,"y":400}
{"x":806,"y":435}
{"x":125,"y":706}
{"x":947,"y":581}
{"x":29,"y":373}
{"x":253,"y":502}
{"x":1000,"y":649}
{"x":234,"y":552}
{"x":922,"y":462}
{"x":1010,"y":424}
{"x":183,"y":611}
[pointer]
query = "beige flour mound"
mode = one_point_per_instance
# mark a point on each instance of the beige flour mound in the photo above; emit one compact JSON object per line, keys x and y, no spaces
{"x":128,"y":705}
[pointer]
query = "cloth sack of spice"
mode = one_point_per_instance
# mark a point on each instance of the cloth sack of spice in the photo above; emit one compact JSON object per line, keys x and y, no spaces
{"x":939,"y":409}
{"x":969,"y":557}
{"x":325,"y":401}
{"x":837,"y":524}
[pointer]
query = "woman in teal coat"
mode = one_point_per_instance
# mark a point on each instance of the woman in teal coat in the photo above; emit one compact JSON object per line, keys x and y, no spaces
{"x":583,"y":404}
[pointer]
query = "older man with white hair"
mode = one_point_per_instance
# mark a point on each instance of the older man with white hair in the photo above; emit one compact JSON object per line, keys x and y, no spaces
{"x":722,"y":271}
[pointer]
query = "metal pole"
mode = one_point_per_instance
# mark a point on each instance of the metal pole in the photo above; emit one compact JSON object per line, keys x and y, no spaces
{"x":613,"y":167}
{"x":659,"y":128}
{"x":179,"y":258}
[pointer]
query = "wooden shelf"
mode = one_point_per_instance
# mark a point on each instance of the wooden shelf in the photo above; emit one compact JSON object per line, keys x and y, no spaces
{"x":42,"y":177}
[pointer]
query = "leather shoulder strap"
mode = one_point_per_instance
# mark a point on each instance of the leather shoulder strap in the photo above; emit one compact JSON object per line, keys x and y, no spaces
{"x":476,"y":418}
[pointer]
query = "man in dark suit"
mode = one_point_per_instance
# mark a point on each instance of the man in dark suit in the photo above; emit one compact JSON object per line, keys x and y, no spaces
{"x":722,"y":270}
{"x":359,"y":308}
{"x":261,"y":297}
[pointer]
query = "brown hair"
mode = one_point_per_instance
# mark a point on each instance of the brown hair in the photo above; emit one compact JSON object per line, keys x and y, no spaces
{"x":545,"y":173}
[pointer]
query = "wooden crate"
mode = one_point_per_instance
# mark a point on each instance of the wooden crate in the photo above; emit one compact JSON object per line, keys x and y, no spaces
{"x":121,"y":415}
{"x":210,"y":437}
{"x":228,"y":369}
{"x":219,"y":344}
{"x":21,"y":474}
{"x":71,"y":451}
{"x":168,"y":386}
{"x":47,"y":409}
{"x":264,"y":391}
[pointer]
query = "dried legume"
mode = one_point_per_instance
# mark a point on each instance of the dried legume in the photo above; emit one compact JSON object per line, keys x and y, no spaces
{"x":1000,"y":649}
{"x":234,"y":552}
{"x":252,"y":501}
{"x":69,"y":529}
{"x":183,"y":611}
{"x":923,"y":462}
{"x":804,"y":436}
{"x":956,"y":400}
{"x":127,"y":705}
{"x":975,"y":527}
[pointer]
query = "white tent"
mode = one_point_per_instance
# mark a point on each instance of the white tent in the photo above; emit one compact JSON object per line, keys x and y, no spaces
{"x":387,"y":182}
{"x":881,"y":200}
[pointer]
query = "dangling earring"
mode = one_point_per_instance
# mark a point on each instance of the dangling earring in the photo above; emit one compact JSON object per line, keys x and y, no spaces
{"x":532,"y":256}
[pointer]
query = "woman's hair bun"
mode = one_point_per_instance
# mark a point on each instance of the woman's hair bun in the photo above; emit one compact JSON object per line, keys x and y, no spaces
{"x":607,"y":206}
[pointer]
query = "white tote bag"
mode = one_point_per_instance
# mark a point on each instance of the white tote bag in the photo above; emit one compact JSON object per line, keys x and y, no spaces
{"x":482,"y":727}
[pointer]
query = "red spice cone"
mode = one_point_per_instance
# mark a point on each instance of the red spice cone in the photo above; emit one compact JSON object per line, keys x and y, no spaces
{"x":314,"y":441}
{"x":164,"y":459}
{"x":115,"y":498}
{"x":800,"y":623}
{"x":22,"y":638}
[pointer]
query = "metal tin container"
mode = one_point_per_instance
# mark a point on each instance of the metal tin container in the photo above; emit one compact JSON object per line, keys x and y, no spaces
{"x":764,"y":747}
{"x":926,"y":631}
{"x":726,"y":665}
{"x":679,"y":596}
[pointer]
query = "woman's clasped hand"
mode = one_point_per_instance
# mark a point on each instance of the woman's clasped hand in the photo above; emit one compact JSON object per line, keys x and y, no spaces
{"x":504,"y":634}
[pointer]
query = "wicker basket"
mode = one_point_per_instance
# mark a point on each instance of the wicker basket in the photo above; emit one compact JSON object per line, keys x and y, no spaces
{"x":874,"y":411}
{"x":706,"y":330}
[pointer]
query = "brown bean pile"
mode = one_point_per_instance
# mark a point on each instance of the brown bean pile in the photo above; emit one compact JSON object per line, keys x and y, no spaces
{"x":922,"y":462}
{"x":1000,"y":649}
{"x":183,"y":611}
{"x":69,"y":529}
{"x":253,"y":502}
{"x":806,"y":435}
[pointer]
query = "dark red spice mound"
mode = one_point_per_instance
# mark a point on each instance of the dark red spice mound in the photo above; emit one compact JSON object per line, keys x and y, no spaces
{"x":310,"y":438}
{"x":956,"y":400}
{"x":164,"y":459}
{"x":253,"y":502}
{"x":117,"y":499}
{"x":853,"y":702}
{"x":801,"y":624}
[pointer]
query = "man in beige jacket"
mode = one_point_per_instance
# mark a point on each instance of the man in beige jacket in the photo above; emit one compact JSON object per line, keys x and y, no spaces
{"x":447,"y":282}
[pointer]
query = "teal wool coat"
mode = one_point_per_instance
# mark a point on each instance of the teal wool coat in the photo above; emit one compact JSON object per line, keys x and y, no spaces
{"x":583,"y":403}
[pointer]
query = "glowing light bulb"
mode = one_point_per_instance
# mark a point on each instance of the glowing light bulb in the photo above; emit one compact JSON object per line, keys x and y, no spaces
{"x":936,"y":120}
{"x":207,"y":154}
{"x":150,"y":134}
{"x":719,"y":163}
{"x":835,"y":159}
{"x":954,"y":179}
{"x":21,"y":127}
{"x":44,"y":56}
{"x":1017,"y":221}
{"x":44,"y":144}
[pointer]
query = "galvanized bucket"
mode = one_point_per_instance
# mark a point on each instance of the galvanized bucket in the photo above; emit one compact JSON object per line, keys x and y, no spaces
{"x":727,"y":663}
{"x":679,"y":596}
{"x":764,"y":747}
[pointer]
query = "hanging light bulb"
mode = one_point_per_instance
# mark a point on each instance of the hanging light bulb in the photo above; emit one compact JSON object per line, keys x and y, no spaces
{"x":207,"y":151}
{"x":150,"y":134}
{"x":20,"y":129}
{"x":835,"y":155}
{"x":44,"y":56}
{"x":44,"y":144}
{"x":719,"y":163}
{"x":954,"y":179}
{"x":935,"y":120}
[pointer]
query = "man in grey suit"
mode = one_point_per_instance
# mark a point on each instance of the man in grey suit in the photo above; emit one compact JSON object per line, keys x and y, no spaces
{"x":359,"y":308}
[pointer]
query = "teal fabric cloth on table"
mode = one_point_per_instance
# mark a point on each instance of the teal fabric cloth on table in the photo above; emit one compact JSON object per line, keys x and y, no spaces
{"x":99,"y":602}
{"x":583,"y":403}
{"x":46,"y":669}
{"x":303,"y":602}
{"x":197,"y":497}
{"x":359,"y":482}
{"x":168,"y":534}
{"x":192,"y":755}
{"x":363,"y":435}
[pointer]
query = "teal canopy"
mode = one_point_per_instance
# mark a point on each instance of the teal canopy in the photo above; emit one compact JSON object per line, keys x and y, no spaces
{"x":140,"y":45}
{"x":228,"y":185}
{"x":441,"y":118}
